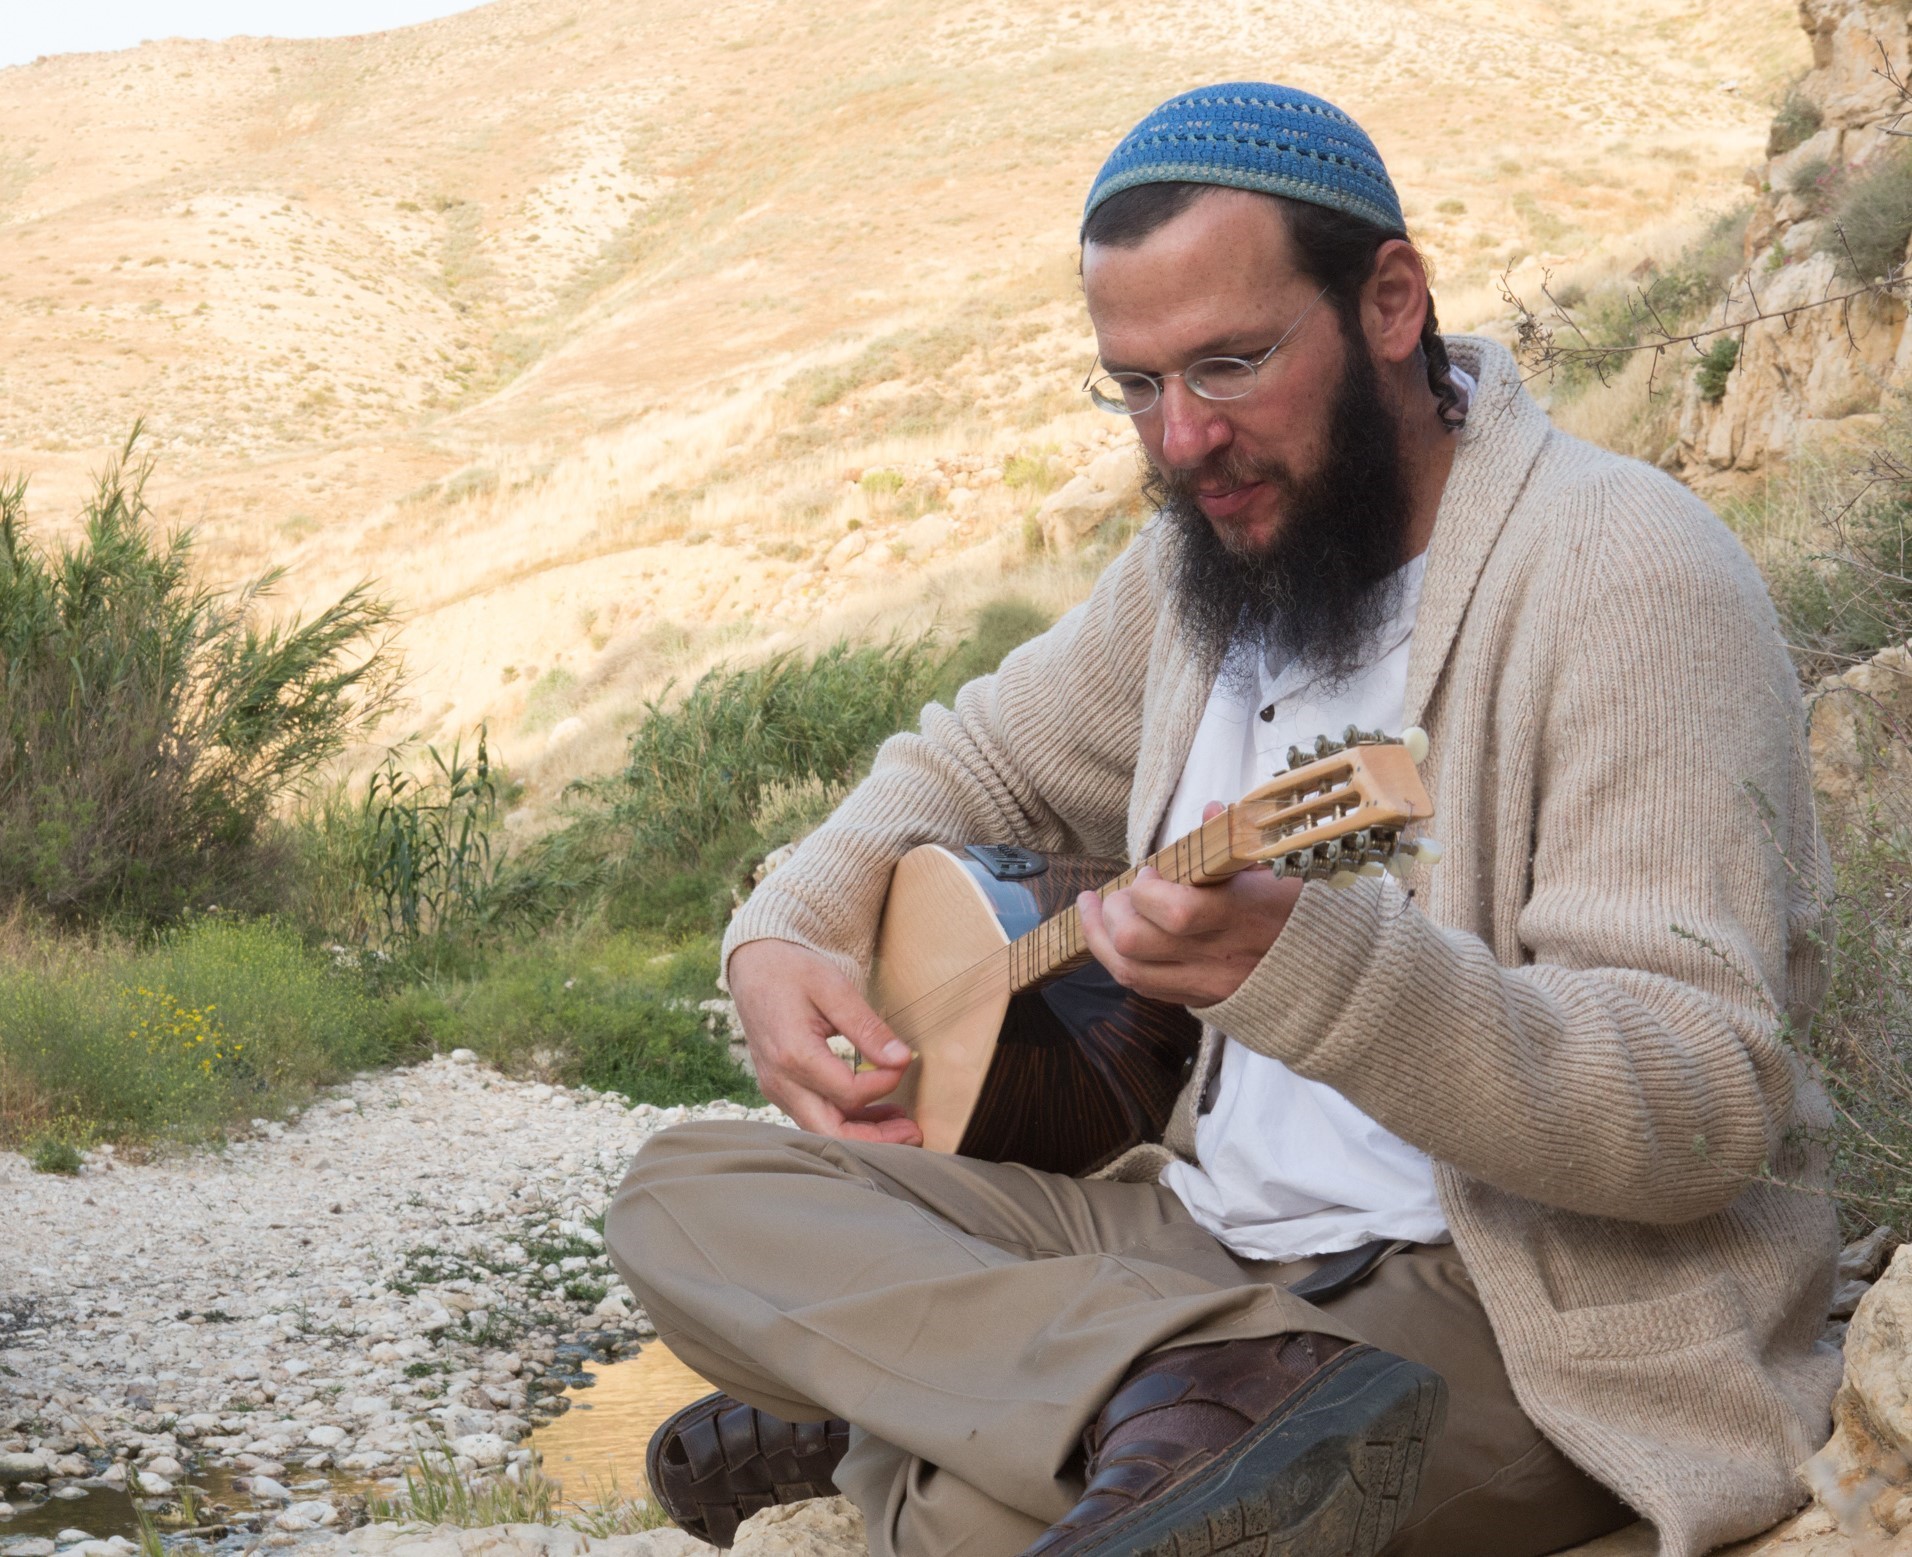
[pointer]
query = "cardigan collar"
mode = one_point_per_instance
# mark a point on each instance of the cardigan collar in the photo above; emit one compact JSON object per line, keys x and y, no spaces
{"x":1505,"y":430}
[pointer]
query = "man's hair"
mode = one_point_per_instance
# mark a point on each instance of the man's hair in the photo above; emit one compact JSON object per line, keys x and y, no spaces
{"x":1336,"y":251}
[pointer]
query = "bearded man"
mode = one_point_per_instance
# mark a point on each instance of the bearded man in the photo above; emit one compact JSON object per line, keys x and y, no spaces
{"x":1527,"y":1136}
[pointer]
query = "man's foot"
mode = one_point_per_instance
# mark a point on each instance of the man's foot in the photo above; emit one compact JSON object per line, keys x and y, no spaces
{"x":718,"y":1461}
{"x":1292,"y":1446}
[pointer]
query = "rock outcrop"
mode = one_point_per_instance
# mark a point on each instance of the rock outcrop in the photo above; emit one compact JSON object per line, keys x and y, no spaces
{"x":1807,"y":375}
{"x":1862,"y":737}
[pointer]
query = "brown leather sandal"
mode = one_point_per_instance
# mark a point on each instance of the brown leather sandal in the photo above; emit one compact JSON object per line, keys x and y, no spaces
{"x":718,"y":1461}
{"x":1291,"y":1446}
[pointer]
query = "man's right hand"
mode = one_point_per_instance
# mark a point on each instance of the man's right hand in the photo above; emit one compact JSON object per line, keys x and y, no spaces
{"x":792,"y":1001}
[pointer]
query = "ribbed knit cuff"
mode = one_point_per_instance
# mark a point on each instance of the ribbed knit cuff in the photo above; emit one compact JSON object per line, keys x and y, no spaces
{"x":1291,"y":1001}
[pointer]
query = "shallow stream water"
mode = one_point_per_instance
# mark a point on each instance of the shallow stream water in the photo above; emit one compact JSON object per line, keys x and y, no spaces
{"x":596,"y":1449}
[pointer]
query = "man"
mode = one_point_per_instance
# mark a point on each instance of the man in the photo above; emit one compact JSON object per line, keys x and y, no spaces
{"x":1524,"y":1132}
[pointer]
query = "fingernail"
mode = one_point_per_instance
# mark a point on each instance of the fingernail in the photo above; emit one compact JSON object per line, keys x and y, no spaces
{"x":895,"y":1052}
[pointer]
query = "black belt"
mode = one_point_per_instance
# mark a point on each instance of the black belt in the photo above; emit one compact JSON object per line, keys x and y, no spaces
{"x":1337,"y":1272}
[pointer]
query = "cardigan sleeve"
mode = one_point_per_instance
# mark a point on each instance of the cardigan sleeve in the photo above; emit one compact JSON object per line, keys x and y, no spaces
{"x":1042,"y":754}
{"x":1634,"y":1062}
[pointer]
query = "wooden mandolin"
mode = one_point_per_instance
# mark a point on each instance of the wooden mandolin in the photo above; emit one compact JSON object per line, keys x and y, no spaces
{"x":1026,"y":1050}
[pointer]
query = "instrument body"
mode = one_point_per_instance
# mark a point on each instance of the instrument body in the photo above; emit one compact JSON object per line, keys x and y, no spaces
{"x":1002,"y":1078}
{"x":1025,"y":1050}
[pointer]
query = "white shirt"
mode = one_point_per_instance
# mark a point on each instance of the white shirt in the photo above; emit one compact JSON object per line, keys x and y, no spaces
{"x":1288,"y":1167}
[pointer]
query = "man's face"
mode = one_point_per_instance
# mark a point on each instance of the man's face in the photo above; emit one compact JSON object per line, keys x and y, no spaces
{"x":1219,"y":280}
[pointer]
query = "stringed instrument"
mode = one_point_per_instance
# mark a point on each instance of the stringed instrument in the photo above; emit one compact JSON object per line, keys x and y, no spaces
{"x":1026,"y":1050}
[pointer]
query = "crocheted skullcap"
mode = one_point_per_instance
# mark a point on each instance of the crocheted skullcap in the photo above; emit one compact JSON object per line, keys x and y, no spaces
{"x":1254,"y":135}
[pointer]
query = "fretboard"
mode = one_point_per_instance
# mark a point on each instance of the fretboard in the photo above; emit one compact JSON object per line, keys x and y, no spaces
{"x":1056,"y":945}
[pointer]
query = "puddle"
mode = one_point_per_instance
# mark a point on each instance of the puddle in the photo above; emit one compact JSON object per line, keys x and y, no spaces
{"x":104,"y":1513}
{"x":597,"y":1446}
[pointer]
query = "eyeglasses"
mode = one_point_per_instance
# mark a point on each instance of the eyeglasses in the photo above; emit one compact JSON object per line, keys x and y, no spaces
{"x":1213,"y":378}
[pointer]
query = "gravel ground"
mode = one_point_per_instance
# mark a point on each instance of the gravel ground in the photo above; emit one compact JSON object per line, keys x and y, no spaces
{"x":414,"y":1256}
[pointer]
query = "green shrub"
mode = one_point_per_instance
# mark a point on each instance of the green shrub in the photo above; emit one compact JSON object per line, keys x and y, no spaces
{"x":1798,"y":119}
{"x":1622,"y":314}
{"x":618,"y":1016}
{"x":54,"y":1154}
{"x":1716,"y":367}
{"x":148,"y":724}
{"x":1870,"y":219}
{"x":1862,"y":1041}
{"x":1843,"y":587}
{"x":219,"y":1020}
{"x":699,"y":769}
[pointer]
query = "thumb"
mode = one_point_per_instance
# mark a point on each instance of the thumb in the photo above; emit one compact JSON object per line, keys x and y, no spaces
{"x":852,"y":1016}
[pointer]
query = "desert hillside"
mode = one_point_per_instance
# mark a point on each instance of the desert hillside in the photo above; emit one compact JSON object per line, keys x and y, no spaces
{"x":609,"y":334}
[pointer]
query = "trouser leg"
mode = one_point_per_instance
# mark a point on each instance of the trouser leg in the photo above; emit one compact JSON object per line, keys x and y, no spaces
{"x":912,"y":1508}
{"x":975,"y":1315}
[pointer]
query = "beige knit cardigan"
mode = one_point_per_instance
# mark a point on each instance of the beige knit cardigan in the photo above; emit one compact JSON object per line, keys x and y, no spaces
{"x":1580,"y":1013}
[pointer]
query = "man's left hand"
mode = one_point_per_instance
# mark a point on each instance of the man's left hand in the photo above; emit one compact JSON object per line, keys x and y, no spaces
{"x":1189,"y":945}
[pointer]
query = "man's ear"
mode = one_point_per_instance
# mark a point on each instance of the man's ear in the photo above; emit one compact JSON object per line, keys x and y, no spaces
{"x":1394,"y":302}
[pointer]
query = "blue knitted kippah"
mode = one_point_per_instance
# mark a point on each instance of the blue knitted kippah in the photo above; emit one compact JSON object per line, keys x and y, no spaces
{"x":1251,"y":135}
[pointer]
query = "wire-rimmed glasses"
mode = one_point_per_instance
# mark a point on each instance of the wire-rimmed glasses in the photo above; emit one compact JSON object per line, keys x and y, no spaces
{"x":1213,"y":378}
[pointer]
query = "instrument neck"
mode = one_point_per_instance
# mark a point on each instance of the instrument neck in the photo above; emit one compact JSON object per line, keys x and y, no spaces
{"x":1056,"y":946}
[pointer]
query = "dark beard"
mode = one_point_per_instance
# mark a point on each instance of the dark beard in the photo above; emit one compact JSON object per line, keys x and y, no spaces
{"x":1319,"y":594}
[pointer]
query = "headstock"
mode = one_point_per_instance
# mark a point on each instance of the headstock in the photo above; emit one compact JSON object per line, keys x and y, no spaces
{"x":1338,"y":812}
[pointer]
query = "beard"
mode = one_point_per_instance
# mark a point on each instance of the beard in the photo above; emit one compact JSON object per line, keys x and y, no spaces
{"x":1319,"y":593}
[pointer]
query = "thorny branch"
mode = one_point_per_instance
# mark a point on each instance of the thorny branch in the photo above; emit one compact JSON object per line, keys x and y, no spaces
{"x":1542,"y":352}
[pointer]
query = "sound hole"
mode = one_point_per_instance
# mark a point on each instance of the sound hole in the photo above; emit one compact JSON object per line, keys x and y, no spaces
{"x":1083,"y":1070}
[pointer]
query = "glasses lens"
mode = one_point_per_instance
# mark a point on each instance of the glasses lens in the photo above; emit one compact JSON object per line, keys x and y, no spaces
{"x":1220,"y":378}
{"x":1124,"y":394}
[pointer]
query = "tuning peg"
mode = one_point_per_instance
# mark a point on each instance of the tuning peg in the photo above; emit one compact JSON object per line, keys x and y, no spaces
{"x":1398,"y":865}
{"x":1373,"y":868}
{"x":1425,"y":851}
{"x":1414,"y":738}
{"x":1341,"y":880}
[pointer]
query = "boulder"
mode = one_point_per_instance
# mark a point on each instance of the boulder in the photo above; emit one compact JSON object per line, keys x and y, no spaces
{"x":823,"y":1527}
{"x":1111,"y":484}
{"x":1862,"y":736}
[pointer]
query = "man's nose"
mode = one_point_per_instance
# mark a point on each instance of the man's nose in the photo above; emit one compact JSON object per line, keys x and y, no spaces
{"x":1192,"y":428}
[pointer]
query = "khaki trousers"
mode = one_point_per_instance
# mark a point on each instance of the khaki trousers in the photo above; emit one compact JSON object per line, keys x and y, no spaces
{"x":971,"y":1318}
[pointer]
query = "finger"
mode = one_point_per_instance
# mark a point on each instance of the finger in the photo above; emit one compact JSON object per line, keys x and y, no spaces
{"x":1213,"y":809}
{"x":886,"y":1132}
{"x":1137,"y":938}
{"x":850,"y":1014}
{"x":1178,"y":909}
{"x":1092,"y":910}
{"x":807,"y":1065}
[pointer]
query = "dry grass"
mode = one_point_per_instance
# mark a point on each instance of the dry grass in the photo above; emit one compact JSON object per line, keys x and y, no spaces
{"x":587,"y":378}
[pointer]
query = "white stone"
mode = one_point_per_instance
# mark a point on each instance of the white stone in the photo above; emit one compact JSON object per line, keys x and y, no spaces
{"x":469,"y":1056}
{"x":266,"y":1490}
{"x":482,"y":1448}
{"x":152,"y":1486}
{"x":69,"y":1494}
{"x":165,"y":1465}
{"x":72,"y":1537}
{"x":28,"y":1546}
{"x":21,"y":1467}
{"x":326,"y":1436}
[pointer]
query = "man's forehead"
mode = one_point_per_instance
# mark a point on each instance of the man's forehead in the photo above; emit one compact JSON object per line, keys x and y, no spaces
{"x":1214,"y":275}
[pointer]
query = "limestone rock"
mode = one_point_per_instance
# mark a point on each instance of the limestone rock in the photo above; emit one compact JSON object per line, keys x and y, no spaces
{"x":1803,"y":378}
{"x":1863,"y":1477}
{"x":21,"y":1467}
{"x":1860,"y":722}
{"x":1112,"y":483}
{"x":823,"y":1527}
{"x":397,"y":1540}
